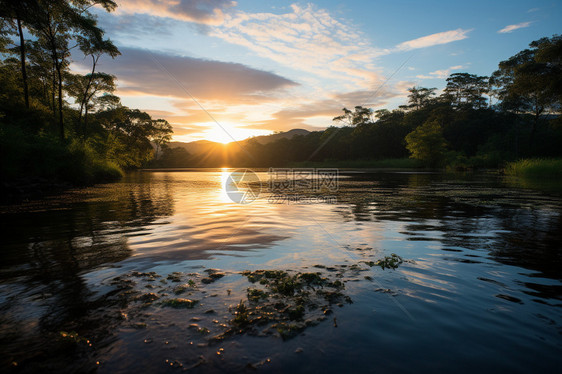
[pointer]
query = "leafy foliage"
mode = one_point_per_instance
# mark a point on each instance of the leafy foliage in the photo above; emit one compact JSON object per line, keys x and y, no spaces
{"x":42,"y":134}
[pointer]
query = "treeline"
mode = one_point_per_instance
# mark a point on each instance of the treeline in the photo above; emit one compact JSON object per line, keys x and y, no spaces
{"x":54,"y":123}
{"x":478,"y":121}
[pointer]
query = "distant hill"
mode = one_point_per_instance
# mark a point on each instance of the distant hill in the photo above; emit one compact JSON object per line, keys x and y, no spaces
{"x":208,"y":147}
{"x":264,"y":139}
{"x":197,"y":147}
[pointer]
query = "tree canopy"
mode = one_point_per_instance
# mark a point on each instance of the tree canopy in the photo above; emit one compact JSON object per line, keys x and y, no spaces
{"x":96,"y":134}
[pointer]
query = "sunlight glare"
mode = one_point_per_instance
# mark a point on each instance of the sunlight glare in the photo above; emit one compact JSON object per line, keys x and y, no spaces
{"x":224,"y":173}
{"x":230,"y":133}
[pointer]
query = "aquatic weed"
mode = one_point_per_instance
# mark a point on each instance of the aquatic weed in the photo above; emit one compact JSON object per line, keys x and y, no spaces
{"x":180,"y":303}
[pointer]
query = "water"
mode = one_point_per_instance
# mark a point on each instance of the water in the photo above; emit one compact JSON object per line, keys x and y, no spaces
{"x":479,"y":289}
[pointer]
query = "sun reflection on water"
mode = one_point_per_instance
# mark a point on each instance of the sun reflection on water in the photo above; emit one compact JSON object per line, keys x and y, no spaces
{"x":223,"y":175}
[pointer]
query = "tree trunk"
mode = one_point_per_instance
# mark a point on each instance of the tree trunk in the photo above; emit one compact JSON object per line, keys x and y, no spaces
{"x":53,"y":97}
{"x":57,"y":66}
{"x":61,"y":120}
{"x":84,"y":103}
{"x":23,"y":67}
{"x":85,"y":121}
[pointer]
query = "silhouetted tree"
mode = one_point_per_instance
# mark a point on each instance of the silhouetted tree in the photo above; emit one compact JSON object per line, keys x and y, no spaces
{"x":419,"y":97}
{"x":466,"y":90}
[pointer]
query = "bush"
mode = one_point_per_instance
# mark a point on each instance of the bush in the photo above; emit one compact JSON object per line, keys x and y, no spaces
{"x":28,"y":155}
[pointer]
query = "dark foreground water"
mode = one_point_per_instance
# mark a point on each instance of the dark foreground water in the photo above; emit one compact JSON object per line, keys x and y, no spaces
{"x":146,"y":275}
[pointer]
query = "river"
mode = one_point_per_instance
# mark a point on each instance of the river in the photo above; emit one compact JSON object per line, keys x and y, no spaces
{"x":389,"y":271}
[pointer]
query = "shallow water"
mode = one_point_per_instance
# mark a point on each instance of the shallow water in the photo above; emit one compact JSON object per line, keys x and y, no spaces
{"x":479,"y":289}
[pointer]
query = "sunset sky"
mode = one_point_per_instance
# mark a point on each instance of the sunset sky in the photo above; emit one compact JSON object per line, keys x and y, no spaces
{"x":263,"y":66}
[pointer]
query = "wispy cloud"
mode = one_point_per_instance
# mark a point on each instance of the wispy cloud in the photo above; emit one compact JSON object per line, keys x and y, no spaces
{"x":306,"y":39}
{"x":209,"y":12}
{"x":440,"y":74}
{"x":434,"y":39}
{"x":511,"y":28}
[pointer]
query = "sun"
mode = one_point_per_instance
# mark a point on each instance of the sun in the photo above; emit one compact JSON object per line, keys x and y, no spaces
{"x":229,"y":133}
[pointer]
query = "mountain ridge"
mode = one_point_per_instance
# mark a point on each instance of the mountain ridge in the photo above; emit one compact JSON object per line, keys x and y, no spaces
{"x":206,"y":146}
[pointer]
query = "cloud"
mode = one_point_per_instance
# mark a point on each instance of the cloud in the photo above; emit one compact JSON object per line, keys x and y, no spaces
{"x":335,"y":63}
{"x":134,"y":26}
{"x":511,"y":28}
{"x":209,"y":12}
{"x":308,"y":114}
{"x":440,"y":74}
{"x":307,"y":39}
{"x":142,"y":72}
{"x":434,"y":39}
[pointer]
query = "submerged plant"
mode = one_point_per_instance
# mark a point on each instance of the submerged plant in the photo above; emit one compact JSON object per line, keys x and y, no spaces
{"x":391,"y":262}
{"x":255,"y":294}
{"x":213,"y":275}
{"x":241,"y":315}
{"x":180,"y":303}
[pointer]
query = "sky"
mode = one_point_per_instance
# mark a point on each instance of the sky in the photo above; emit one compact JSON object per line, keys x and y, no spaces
{"x":222,"y":70}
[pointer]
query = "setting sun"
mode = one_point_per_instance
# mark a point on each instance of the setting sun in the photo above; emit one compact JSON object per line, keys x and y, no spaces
{"x":230,"y":132}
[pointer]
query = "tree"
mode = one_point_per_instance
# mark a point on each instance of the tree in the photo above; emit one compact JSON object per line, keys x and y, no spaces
{"x":58,"y":22}
{"x":426,"y":143}
{"x":419,"y":97}
{"x":129,"y":134}
{"x":174,"y":157}
{"x":359,"y":116}
{"x":466,"y":90}
{"x":95,"y":48}
{"x":14,"y":15}
{"x":531,"y":80}
{"x":90,"y":91}
{"x":161,"y":135}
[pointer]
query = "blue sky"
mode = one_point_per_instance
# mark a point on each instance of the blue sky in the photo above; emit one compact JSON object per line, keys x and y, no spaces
{"x":263,"y":66}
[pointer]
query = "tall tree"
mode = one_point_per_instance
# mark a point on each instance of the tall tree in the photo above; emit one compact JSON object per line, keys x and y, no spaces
{"x":88,"y":90}
{"x":16,"y":15}
{"x":531,"y":80}
{"x":360,"y":115}
{"x":94,"y":48}
{"x":161,"y":134}
{"x":57,"y":24}
{"x":466,"y":90}
{"x":419,"y":97}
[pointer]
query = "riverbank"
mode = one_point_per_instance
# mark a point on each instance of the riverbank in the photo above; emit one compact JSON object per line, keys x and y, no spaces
{"x":391,"y":163}
{"x":536,"y":168}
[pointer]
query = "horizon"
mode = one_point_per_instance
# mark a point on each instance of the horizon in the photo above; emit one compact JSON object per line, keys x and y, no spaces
{"x":224,"y":71}
{"x":229,"y":140}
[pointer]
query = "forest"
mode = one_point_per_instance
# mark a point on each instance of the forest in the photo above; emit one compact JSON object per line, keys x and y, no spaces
{"x":57,"y":124}
{"x":476,"y":122}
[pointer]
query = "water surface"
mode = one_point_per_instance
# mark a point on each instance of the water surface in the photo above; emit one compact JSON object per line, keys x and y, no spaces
{"x":479,"y":289}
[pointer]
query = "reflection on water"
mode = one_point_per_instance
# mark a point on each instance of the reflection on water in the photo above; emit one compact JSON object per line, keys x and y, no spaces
{"x":481,"y":288}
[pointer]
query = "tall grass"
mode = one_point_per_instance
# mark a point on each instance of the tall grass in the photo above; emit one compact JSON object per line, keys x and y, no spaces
{"x":536,"y":168}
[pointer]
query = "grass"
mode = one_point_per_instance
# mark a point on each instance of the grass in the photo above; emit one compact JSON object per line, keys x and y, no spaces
{"x":391,"y":163}
{"x":536,"y":168}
